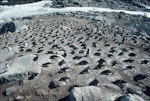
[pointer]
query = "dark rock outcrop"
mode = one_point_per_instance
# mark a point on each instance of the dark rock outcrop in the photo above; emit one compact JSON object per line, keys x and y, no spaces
{"x":14,"y":2}
{"x":8,"y":27}
{"x":115,"y":4}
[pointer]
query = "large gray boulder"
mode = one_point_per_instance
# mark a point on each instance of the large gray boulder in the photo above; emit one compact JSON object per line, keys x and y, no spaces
{"x":18,"y":68}
{"x":87,"y":93}
{"x":10,"y":90}
{"x":8,"y":53}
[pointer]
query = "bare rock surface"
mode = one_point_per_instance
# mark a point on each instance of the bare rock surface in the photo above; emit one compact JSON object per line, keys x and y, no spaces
{"x":17,"y":68}
{"x":85,"y":94}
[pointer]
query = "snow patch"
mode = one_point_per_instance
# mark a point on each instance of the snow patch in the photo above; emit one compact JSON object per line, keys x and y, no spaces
{"x":39,"y":8}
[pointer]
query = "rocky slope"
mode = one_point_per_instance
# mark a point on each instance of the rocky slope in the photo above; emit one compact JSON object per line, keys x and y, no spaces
{"x":76,"y":57}
{"x":14,"y":2}
{"x":114,"y":4}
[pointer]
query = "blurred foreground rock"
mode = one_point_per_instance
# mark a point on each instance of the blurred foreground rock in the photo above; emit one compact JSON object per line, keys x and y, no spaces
{"x":88,"y":93}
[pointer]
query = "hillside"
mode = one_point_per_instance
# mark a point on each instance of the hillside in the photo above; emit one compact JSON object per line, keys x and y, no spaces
{"x":75,"y":51}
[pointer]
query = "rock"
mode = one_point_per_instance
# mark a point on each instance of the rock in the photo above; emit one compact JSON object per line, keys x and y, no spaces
{"x":8,"y":53}
{"x":41,"y":92}
{"x":127,"y":4}
{"x":56,"y":83}
{"x":7,"y":27}
{"x":8,"y":2}
{"x":58,"y":4}
{"x":131,"y":97}
{"x":72,"y":86}
{"x":19,"y":67}
{"x":87,"y":93}
{"x":58,"y":35}
{"x":19,"y":97}
{"x":10,"y":91}
{"x":9,"y":78}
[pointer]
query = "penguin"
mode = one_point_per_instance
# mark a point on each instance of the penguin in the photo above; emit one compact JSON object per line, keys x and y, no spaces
{"x":25,"y":44}
{"x":6,"y":67}
{"x":9,"y":49}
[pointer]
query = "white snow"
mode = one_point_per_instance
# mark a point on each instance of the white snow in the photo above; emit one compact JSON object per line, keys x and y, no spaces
{"x":39,"y":8}
{"x":4,"y":1}
{"x":147,"y":7}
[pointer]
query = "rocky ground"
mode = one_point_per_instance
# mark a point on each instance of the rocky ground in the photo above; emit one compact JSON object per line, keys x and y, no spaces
{"x":57,"y":55}
{"x":76,"y":57}
{"x":133,"y":5}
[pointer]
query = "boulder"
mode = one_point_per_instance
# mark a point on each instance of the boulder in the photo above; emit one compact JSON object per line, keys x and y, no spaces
{"x":17,"y":68}
{"x":7,"y":27}
{"x":10,"y":90}
{"x":19,"y":97}
{"x":131,"y":97}
{"x":8,"y":53}
{"x":87,"y":93}
{"x":41,"y":92}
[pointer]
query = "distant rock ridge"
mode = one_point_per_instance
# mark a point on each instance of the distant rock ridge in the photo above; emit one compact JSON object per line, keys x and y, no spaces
{"x":115,"y":4}
{"x":14,"y":2}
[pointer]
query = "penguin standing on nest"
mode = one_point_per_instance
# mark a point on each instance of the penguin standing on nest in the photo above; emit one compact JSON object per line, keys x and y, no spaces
{"x":25,"y":44}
